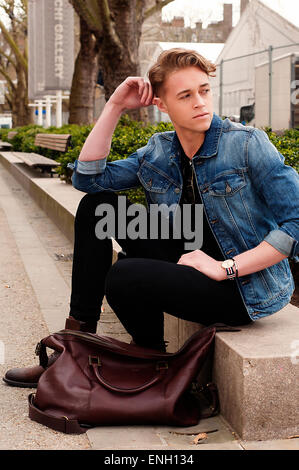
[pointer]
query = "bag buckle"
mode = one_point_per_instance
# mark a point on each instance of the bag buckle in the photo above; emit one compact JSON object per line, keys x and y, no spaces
{"x":94,"y":360}
{"x":161,"y":365}
{"x":38,"y":348}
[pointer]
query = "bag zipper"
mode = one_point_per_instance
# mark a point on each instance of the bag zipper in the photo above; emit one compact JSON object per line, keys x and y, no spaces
{"x":89,"y":338}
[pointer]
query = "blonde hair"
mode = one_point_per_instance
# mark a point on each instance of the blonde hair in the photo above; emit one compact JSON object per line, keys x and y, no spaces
{"x":175,"y":59}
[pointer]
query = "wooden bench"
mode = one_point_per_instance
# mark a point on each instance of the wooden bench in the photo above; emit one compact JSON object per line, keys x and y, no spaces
{"x":7,"y":145}
{"x":59,"y":142}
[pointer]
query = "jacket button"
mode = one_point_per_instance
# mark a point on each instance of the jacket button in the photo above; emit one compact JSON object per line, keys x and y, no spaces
{"x":177,"y":190}
{"x":228,"y":189}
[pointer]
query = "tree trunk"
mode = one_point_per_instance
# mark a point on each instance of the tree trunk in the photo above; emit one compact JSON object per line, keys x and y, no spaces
{"x":85,"y":76}
{"x":119,"y":63}
{"x":21,"y":112}
{"x":112,"y":48}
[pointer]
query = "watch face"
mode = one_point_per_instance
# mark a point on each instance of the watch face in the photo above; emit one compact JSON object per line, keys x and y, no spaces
{"x":228,"y":263}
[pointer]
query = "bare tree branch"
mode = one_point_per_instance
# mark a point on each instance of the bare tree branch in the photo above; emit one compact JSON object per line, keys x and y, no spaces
{"x":8,"y":37}
{"x":82,"y":9}
{"x":7,"y":78}
{"x":8,"y":98}
{"x":95,"y":11}
{"x":108,"y":25}
{"x":8,"y":58}
{"x":159,"y":5}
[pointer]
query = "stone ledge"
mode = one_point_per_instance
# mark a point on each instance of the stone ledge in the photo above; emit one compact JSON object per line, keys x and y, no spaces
{"x":257,"y":375}
{"x":255,"y":369}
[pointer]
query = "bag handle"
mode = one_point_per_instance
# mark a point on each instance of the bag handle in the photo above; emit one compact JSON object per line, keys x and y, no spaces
{"x":95,"y":363}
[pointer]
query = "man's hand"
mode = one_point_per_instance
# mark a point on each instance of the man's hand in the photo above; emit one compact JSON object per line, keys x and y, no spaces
{"x":204,"y":263}
{"x":133,"y":93}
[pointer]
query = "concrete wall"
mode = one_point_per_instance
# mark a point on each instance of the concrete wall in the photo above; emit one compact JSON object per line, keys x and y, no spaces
{"x":281,"y":94}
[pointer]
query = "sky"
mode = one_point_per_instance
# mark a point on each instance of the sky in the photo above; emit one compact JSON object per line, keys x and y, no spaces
{"x":212,"y":10}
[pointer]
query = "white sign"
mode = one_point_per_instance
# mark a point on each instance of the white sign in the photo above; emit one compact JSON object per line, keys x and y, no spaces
{"x":51,"y":46}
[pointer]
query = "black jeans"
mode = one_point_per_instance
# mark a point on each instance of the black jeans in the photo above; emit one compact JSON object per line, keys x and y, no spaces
{"x":145,"y":281}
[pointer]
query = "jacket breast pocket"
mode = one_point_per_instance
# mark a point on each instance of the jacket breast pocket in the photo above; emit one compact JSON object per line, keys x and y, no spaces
{"x":227,"y":184}
{"x":153,"y":180}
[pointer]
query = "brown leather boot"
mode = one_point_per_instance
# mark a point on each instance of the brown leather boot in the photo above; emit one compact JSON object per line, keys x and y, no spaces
{"x":27,"y":377}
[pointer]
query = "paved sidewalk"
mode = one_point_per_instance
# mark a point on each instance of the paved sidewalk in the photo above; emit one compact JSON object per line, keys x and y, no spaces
{"x":35,"y":278}
{"x":26,"y":237}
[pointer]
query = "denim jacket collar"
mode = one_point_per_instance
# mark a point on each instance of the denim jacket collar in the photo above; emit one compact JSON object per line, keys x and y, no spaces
{"x":209,"y":147}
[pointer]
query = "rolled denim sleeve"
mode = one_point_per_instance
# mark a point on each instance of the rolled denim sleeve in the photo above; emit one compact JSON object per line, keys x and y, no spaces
{"x":92,"y":167}
{"x":88,"y":168}
{"x":282,"y":242}
{"x":278,"y":184}
{"x":97,"y":176}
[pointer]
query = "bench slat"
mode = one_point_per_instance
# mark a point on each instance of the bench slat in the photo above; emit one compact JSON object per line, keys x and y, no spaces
{"x":51,"y":141}
{"x":58,"y":142}
{"x":5,"y":144}
{"x":56,"y":136}
{"x":33,"y":159}
{"x":52,"y":146}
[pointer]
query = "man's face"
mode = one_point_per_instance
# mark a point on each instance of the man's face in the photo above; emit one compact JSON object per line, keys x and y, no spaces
{"x":187,"y":99}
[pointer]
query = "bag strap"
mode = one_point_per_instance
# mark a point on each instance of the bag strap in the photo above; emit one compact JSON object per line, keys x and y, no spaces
{"x":63,"y":424}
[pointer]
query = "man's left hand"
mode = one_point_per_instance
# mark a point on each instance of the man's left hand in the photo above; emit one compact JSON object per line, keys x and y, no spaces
{"x":204,"y":263}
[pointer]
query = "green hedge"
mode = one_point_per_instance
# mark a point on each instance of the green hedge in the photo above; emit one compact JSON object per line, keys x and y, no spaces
{"x":287,"y":144}
{"x":128,"y":136}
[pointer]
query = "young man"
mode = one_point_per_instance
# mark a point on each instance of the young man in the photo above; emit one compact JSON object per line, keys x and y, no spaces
{"x":250,"y":215}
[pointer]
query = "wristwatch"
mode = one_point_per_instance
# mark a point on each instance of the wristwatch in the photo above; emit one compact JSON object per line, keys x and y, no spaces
{"x":229,"y":265}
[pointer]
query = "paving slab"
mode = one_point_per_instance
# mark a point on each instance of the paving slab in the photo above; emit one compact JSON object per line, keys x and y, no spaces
{"x":278,"y":444}
{"x":164,"y":437}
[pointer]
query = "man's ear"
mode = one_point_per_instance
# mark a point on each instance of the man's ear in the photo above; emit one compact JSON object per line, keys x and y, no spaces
{"x":160,"y":104}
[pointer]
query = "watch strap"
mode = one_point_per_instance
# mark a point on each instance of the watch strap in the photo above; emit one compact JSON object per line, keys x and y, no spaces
{"x":232,"y":272}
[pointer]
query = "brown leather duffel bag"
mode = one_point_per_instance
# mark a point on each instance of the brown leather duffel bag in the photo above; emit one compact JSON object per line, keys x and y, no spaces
{"x":98,"y":380}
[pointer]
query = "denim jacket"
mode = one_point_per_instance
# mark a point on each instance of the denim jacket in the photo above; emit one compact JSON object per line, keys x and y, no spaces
{"x":249,"y":195}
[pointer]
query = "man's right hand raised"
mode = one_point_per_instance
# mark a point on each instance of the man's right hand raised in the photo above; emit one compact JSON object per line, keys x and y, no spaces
{"x":132,"y":93}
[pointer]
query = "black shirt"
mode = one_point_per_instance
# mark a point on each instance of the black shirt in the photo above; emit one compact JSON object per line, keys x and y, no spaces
{"x":191,"y":195}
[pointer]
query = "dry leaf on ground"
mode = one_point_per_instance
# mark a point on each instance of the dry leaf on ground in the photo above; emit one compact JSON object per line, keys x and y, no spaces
{"x":200,"y":437}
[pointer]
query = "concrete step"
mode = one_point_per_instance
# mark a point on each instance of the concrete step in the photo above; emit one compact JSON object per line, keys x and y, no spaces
{"x":257,"y":373}
{"x":256,"y":369}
